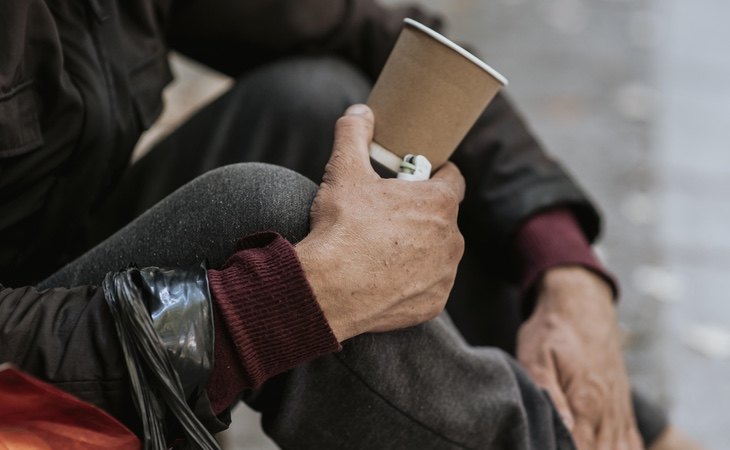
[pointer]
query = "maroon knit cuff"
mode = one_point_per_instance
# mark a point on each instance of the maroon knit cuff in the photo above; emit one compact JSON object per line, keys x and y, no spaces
{"x":550,"y":239}
{"x":267,"y":318}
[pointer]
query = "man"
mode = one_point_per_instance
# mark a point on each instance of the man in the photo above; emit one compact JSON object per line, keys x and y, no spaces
{"x":80,"y":82}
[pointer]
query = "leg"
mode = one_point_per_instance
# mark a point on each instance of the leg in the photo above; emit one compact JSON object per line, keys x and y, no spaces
{"x":486,"y":309}
{"x":423,"y":387}
{"x":281,"y":114}
{"x":223,"y":126}
{"x":372,"y":394}
{"x":202,"y":220}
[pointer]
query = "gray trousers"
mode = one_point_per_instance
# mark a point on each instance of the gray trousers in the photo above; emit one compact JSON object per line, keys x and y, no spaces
{"x":191,"y":198}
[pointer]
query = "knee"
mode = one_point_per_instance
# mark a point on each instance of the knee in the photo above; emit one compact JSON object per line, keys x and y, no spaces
{"x":257,"y":197}
{"x":311,"y":88}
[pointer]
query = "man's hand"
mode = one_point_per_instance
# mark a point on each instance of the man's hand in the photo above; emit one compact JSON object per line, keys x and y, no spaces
{"x":570,"y":346}
{"x":382,"y":253}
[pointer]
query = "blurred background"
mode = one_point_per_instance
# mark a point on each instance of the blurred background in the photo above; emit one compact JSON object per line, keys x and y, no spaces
{"x":633,"y":96}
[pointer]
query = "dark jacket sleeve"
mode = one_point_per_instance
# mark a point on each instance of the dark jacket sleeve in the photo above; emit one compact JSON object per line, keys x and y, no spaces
{"x":509,"y":176}
{"x":67,"y":338}
{"x":88,"y":340}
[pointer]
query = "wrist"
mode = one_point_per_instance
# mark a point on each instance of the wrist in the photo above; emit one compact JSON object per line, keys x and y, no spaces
{"x":570,"y":277}
{"x":549,"y":246}
{"x":318,"y":271}
{"x":574,"y":290}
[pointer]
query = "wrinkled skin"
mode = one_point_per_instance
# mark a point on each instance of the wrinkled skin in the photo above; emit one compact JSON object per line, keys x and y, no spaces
{"x":674,"y":439}
{"x":570,"y":346}
{"x":382,"y":253}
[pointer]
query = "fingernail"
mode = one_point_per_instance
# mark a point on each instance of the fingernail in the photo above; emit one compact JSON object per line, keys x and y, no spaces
{"x":357,"y":110}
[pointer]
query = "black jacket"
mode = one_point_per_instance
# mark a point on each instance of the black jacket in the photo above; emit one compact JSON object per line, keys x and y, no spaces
{"x":79,"y":82}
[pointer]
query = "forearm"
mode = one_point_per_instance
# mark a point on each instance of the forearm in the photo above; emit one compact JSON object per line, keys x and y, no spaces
{"x":574,"y":321}
{"x":553,"y":239}
{"x":267,"y":318}
{"x":66,"y":337}
{"x":266,"y":321}
{"x":510,"y":178}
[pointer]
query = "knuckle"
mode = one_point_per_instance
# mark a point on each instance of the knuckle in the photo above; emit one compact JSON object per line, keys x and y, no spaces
{"x":458,"y":246}
{"x":333,"y":171}
{"x":444,"y":202}
{"x":324,"y":193}
{"x":437,"y":307}
{"x":448,"y":194}
{"x":329,"y":202}
{"x":589,"y":398}
{"x":316,"y":205}
{"x":434,"y":302}
{"x":451,"y":246}
{"x":439,"y":191}
{"x":344,"y":121}
{"x":338,"y":172}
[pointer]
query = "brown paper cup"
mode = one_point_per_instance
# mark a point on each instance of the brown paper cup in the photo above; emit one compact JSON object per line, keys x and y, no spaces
{"x":428,"y":96}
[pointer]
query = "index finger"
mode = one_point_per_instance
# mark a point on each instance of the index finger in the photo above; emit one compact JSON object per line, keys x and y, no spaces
{"x":451,"y":175}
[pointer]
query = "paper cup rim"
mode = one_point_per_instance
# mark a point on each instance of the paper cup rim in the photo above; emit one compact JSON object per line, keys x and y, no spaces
{"x":458,"y":49}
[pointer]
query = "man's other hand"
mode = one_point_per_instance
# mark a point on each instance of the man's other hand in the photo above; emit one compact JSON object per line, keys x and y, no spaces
{"x":382,"y":253}
{"x":570,"y":346}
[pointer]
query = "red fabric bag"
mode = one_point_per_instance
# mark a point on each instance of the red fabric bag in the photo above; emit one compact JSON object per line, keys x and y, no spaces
{"x":35,"y":415}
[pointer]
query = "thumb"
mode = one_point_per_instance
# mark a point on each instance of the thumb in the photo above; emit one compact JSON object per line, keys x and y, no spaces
{"x":350,"y":153}
{"x":450,"y":174}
